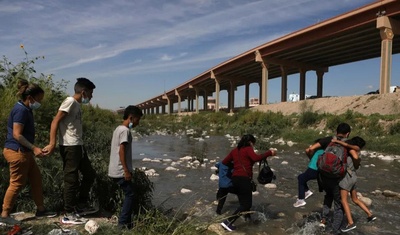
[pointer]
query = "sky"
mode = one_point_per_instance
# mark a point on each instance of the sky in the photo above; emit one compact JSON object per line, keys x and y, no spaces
{"x":134,"y":50}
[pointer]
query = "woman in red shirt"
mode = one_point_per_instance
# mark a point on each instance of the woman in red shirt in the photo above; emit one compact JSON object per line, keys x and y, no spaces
{"x":243,"y":157}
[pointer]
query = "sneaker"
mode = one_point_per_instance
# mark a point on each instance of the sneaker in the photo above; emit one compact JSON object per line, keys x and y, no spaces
{"x":9,"y":221}
{"x":72,"y":218}
{"x":85,"y":209}
{"x":228,"y":226}
{"x":308,"y":194}
{"x":299,"y":202}
{"x":371,"y":218}
{"x":45,"y":214}
{"x":348,"y":227}
{"x":322,"y":223}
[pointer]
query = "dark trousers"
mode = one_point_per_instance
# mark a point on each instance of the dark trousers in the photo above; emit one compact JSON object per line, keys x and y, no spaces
{"x":125,"y":217}
{"x":221,"y":197}
{"x":243,"y":189}
{"x":332,"y":195}
{"x":303,"y":178}
{"x":75,"y":161}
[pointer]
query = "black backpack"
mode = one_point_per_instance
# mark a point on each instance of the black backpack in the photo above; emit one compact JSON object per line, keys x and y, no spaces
{"x":265,"y":174}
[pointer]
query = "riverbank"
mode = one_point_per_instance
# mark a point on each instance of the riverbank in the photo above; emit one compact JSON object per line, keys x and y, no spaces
{"x":385,"y":104}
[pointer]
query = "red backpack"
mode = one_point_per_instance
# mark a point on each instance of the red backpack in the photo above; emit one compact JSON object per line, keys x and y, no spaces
{"x":333,"y":162}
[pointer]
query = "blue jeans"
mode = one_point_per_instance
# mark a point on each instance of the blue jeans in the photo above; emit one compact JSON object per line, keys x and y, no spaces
{"x":125,"y":217}
{"x":303,"y":178}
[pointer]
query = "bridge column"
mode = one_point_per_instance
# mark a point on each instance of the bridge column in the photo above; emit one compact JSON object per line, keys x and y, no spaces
{"x":179,"y":101}
{"x":197,"y":99}
{"x":320,"y":80}
{"x":217,"y":90}
{"x":189,"y":108}
{"x":284,"y":84}
{"x":163,"y":109}
{"x":205,"y":100}
{"x":264,"y":78}
{"x":388,"y":27}
{"x":231,"y":98}
{"x":246,"y":94}
{"x":302,"y":84}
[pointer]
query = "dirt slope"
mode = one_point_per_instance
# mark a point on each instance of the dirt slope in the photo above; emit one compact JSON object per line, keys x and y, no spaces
{"x":365,"y":104}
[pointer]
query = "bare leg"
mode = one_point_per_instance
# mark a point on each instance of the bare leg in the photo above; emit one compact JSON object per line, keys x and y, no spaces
{"x":346,"y":207}
{"x":359,"y":203}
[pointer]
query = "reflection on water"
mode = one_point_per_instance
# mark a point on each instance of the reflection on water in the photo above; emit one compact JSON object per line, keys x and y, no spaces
{"x":274,"y":211}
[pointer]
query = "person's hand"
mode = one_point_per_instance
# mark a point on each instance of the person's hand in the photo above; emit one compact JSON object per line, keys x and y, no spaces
{"x":37,"y":152}
{"x":49,"y":149}
{"x":273,"y":151}
{"x":127,"y":176}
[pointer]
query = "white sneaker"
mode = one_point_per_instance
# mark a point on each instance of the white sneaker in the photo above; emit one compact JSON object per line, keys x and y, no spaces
{"x":72,"y":218}
{"x":299,"y":202}
{"x":308,"y":194}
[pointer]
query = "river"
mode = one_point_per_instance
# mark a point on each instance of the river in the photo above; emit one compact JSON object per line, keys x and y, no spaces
{"x":274,"y":211}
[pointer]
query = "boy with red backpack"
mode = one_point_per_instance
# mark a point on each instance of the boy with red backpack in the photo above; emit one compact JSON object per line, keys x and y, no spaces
{"x":331,"y":168}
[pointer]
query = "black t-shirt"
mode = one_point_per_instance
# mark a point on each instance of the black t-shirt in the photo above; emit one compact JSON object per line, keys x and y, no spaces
{"x":324,"y":142}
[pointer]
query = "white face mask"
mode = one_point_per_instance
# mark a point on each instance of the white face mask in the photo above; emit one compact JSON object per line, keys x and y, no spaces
{"x":35,"y":105}
{"x":85,"y":100}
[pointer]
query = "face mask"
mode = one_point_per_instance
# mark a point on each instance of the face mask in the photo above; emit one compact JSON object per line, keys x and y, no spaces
{"x":35,"y":105}
{"x":85,"y":100}
{"x":130,"y":125}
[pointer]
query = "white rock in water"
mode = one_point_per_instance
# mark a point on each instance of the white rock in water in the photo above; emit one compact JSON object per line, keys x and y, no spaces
{"x":141,"y":154}
{"x":380,"y":156}
{"x":181,"y":176}
{"x":183,"y":190}
{"x":389,"y":193}
{"x":196,"y":162}
{"x":156,"y":160}
{"x":281,"y":214}
{"x":290,"y":143}
{"x":256,"y":193}
{"x":387,"y":158}
{"x":214,"y":168}
{"x":167,"y":160}
{"x":151,"y":172}
{"x":187,"y":158}
{"x":91,"y":226}
{"x":228,"y":136}
{"x":214,"y":177}
{"x":146,"y":159}
{"x":366,"y":201}
{"x":170,"y":168}
{"x":175,"y":163}
{"x":296,"y":153}
{"x":284,"y":163}
{"x":270,"y":186}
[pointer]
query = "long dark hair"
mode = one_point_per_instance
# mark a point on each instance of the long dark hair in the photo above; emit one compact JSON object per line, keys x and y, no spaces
{"x":246,"y":140}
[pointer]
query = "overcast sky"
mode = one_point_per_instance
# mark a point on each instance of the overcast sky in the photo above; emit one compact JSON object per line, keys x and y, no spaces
{"x":133,"y":50}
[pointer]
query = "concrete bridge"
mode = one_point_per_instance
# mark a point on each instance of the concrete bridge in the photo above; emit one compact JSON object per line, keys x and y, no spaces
{"x":364,"y":33}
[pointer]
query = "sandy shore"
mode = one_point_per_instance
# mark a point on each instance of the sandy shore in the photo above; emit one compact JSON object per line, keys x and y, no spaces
{"x":365,"y":104}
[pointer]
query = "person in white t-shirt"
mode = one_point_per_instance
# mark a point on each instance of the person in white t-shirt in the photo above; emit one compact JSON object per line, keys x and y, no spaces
{"x":120,"y":166}
{"x":68,"y":123}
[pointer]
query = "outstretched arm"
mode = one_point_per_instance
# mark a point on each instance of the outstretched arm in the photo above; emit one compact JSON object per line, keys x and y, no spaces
{"x":311,"y":150}
{"x":346,"y":145}
{"x":49,"y":149}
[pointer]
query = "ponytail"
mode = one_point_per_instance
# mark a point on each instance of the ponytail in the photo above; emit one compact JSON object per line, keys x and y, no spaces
{"x":25,"y":89}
